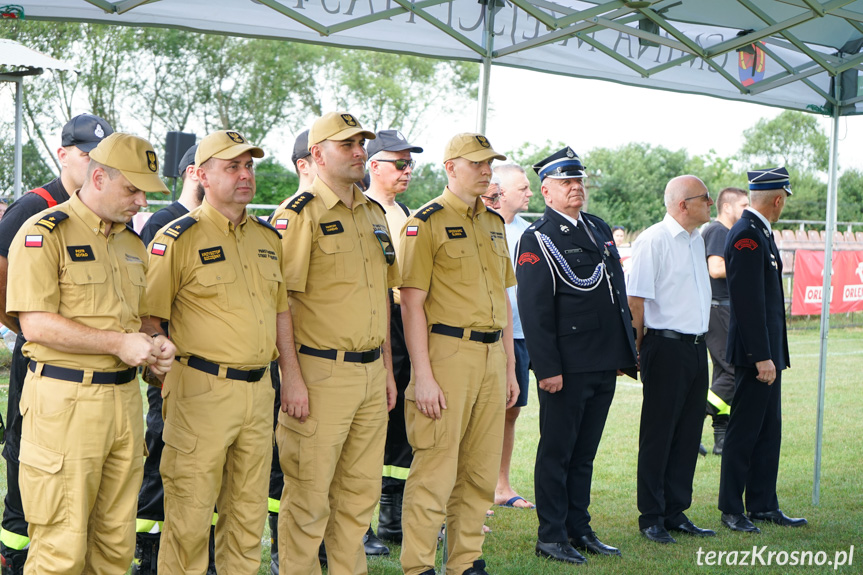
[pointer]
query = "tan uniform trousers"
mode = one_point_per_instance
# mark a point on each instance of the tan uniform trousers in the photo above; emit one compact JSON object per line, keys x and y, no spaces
{"x":332,"y":465}
{"x":456,"y":458}
{"x":218,"y":452}
{"x":82,"y":449}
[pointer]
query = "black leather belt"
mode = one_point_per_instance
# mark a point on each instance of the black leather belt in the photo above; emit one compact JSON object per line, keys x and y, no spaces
{"x":349,"y":356}
{"x":230,"y":373}
{"x":726,"y":302}
{"x":671,"y":334}
{"x":481,"y":336}
{"x":77,"y":375}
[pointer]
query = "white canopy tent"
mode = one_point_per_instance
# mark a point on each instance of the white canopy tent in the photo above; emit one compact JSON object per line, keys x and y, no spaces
{"x":23,"y":62}
{"x":795,"y":54}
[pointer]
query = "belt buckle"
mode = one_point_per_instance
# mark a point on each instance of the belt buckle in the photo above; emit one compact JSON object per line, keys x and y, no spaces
{"x":698,"y":338}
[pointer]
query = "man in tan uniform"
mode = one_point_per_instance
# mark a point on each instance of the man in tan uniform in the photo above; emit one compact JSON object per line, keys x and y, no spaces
{"x":80,"y":275}
{"x":216,"y":277}
{"x":455,"y":309}
{"x":337,"y":382}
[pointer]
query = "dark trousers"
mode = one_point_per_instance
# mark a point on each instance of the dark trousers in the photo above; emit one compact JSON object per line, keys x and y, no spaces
{"x":13,"y":512}
{"x":722,"y":383}
{"x":151,"y":497}
{"x":397,"y":451}
{"x":750,"y":458}
{"x":674,"y":377}
{"x":570,"y":425}
{"x":277,"y":479}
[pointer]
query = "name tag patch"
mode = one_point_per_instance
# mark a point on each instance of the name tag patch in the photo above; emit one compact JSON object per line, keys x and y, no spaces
{"x":456,"y":233}
{"x":212,"y":255}
{"x":80,"y":253}
{"x":267,"y":254}
{"x":330,"y":228}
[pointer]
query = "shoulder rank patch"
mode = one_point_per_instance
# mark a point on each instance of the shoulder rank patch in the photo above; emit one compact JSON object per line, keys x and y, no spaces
{"x":180,"y":226}
{"x":298,"y":203}
{"x":489,"y":210}
{"x":81,"y":253}
{"x":212,"y":255}
{"x":745,"y":243}
{"x":428,"y":210}
{"x":330,"y":228}
{"x":52,"y":219}
{"x":267,"y":225}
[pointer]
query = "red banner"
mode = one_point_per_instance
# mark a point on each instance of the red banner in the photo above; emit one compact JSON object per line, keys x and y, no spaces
{"x":846,"y":285}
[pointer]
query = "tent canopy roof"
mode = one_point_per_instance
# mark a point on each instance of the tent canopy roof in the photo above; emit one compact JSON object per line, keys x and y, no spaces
{"x":776,"y":52}
{"x":14,"y":55}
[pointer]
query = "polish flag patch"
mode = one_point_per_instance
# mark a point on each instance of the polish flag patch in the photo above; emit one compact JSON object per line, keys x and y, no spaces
{"x":33,"y":241}
{"x":281,"y":224}
{"x":158,"y":249}
{"x":411,"y":230}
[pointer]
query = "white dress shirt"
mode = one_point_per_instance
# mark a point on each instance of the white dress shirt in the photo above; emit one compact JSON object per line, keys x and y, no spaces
{"x":669,"y":270}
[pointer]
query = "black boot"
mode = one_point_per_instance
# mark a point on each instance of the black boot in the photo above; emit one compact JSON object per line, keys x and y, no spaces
{"x":702,"y":451}
{"x":719,"y":427}
{"x":273,"y":518}
{"x":146,"y":554}
{"x":372,"y":545}
{"x":390,"y":517}
{"x":211,"y":567}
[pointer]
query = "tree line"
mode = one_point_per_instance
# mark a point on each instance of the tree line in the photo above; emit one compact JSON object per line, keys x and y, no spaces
{"x":151,"y":80}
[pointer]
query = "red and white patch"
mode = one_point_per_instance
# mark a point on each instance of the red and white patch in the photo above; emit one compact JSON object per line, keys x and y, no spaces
{"x":412,"y":230}
{"x":745,"y":243}
{"x":527,"y":258}
{"x":33,"y":241}
{"x":158,"y":249}
{"x":281,"y":224}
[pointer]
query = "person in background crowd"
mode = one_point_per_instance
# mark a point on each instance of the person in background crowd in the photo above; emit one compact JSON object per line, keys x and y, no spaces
{"x":391,"y":169}
{"x":729,"y":207}
{"x":513,"y":196}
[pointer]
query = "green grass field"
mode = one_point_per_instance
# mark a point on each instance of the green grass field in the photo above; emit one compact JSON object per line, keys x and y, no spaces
{"x":834,"y":525}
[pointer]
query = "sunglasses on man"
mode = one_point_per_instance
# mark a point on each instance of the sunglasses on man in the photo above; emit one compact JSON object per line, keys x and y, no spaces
{"x":386,"y":245}
{"x":401,"y":165}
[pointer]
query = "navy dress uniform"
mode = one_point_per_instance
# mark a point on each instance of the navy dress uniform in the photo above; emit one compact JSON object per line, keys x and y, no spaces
{"x":757,"y":332}
{"x":577,"y":324}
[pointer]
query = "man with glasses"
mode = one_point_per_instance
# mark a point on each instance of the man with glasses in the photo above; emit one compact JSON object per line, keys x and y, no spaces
{"x":758,"y":348}
{"x":390,"y":171}
{"x":491,"y":198}
{"x":669,"y":295}
{"x":513,"y":196}
{"x":458,"y":328}
{"x":337,"y":381}
{"x":579,"y":335}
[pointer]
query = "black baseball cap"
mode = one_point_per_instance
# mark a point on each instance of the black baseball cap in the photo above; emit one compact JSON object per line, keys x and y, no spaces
{"x":390,"y":141}
{"x":85,"y":131}
{"x":187,"y":160}
{"x":301,"y":147}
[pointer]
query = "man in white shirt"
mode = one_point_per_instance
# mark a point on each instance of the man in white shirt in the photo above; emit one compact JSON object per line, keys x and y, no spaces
{"x":669,"y":295}
{"x":514,"y":195}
